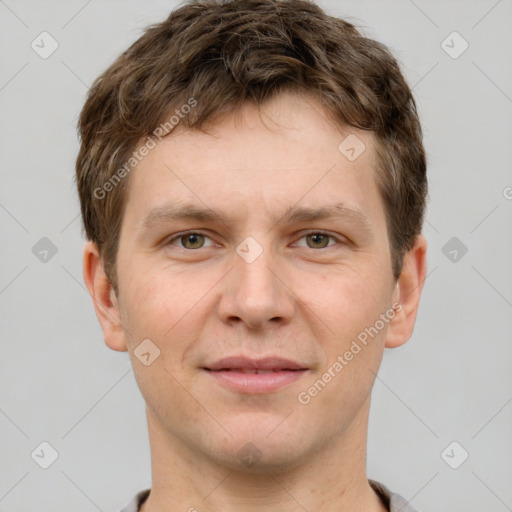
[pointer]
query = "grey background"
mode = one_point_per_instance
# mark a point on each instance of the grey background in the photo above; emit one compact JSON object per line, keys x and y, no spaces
{"x":58,"y":381}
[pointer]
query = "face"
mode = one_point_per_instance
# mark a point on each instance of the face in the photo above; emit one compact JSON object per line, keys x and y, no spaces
{"x":254,"y":258}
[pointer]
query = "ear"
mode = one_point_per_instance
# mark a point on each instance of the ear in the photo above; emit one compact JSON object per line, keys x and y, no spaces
{"x":104,"y":299}
{"x":407,"y":293}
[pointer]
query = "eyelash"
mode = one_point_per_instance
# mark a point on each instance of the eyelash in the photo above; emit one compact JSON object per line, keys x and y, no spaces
{"x":311,"y":232}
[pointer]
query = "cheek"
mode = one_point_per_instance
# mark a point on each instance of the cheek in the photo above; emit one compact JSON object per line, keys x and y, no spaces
{"x":350,"y":306}
{"x":347,"y":301}
{"x":155,"y":311}
{"x":352,"y":348}
{"x":165,"y":308}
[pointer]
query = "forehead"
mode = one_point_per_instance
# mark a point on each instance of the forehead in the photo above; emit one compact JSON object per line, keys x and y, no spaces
{"x":288,"y":154}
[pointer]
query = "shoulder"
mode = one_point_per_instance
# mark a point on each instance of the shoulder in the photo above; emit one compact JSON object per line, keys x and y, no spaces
{"x":393,"y":501}
{"x":136,"y":501}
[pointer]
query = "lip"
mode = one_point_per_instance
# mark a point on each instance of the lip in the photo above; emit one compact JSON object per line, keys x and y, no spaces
{"x":265,"y":363}
{"x":240,"y":373}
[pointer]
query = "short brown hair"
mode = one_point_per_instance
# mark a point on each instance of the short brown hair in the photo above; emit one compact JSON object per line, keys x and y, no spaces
{"x":224,"y":54}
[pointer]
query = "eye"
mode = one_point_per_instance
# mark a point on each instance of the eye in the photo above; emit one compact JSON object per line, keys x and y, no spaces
{"x":189,"y":240}
{"x":318,"y":240}
{"x":193,"y":240}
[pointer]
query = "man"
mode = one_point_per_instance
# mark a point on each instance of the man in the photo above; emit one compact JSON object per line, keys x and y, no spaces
{"x":252,"y":182}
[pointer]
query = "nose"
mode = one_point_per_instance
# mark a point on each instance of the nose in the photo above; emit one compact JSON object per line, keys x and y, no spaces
{"x":256,"y":293}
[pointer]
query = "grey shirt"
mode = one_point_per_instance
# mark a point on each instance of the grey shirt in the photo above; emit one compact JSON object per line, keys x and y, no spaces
{"x":394,"y":502}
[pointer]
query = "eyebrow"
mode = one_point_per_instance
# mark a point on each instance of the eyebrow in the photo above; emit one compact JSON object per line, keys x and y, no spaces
{"x":171,"y":213}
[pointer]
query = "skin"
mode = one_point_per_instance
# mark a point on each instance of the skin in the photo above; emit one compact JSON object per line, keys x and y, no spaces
{"x":303,"y":298}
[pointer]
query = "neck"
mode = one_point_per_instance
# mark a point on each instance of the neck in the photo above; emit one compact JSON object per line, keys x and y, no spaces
{"x":331,"y":480}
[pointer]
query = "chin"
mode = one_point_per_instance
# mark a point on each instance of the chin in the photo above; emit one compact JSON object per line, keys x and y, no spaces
{"x":263,"y":445}
{"x":260,"y":460}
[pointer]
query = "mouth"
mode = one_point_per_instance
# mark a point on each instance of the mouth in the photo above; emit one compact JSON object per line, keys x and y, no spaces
{"x":259,"y":371}
{"x":255,"y":376}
